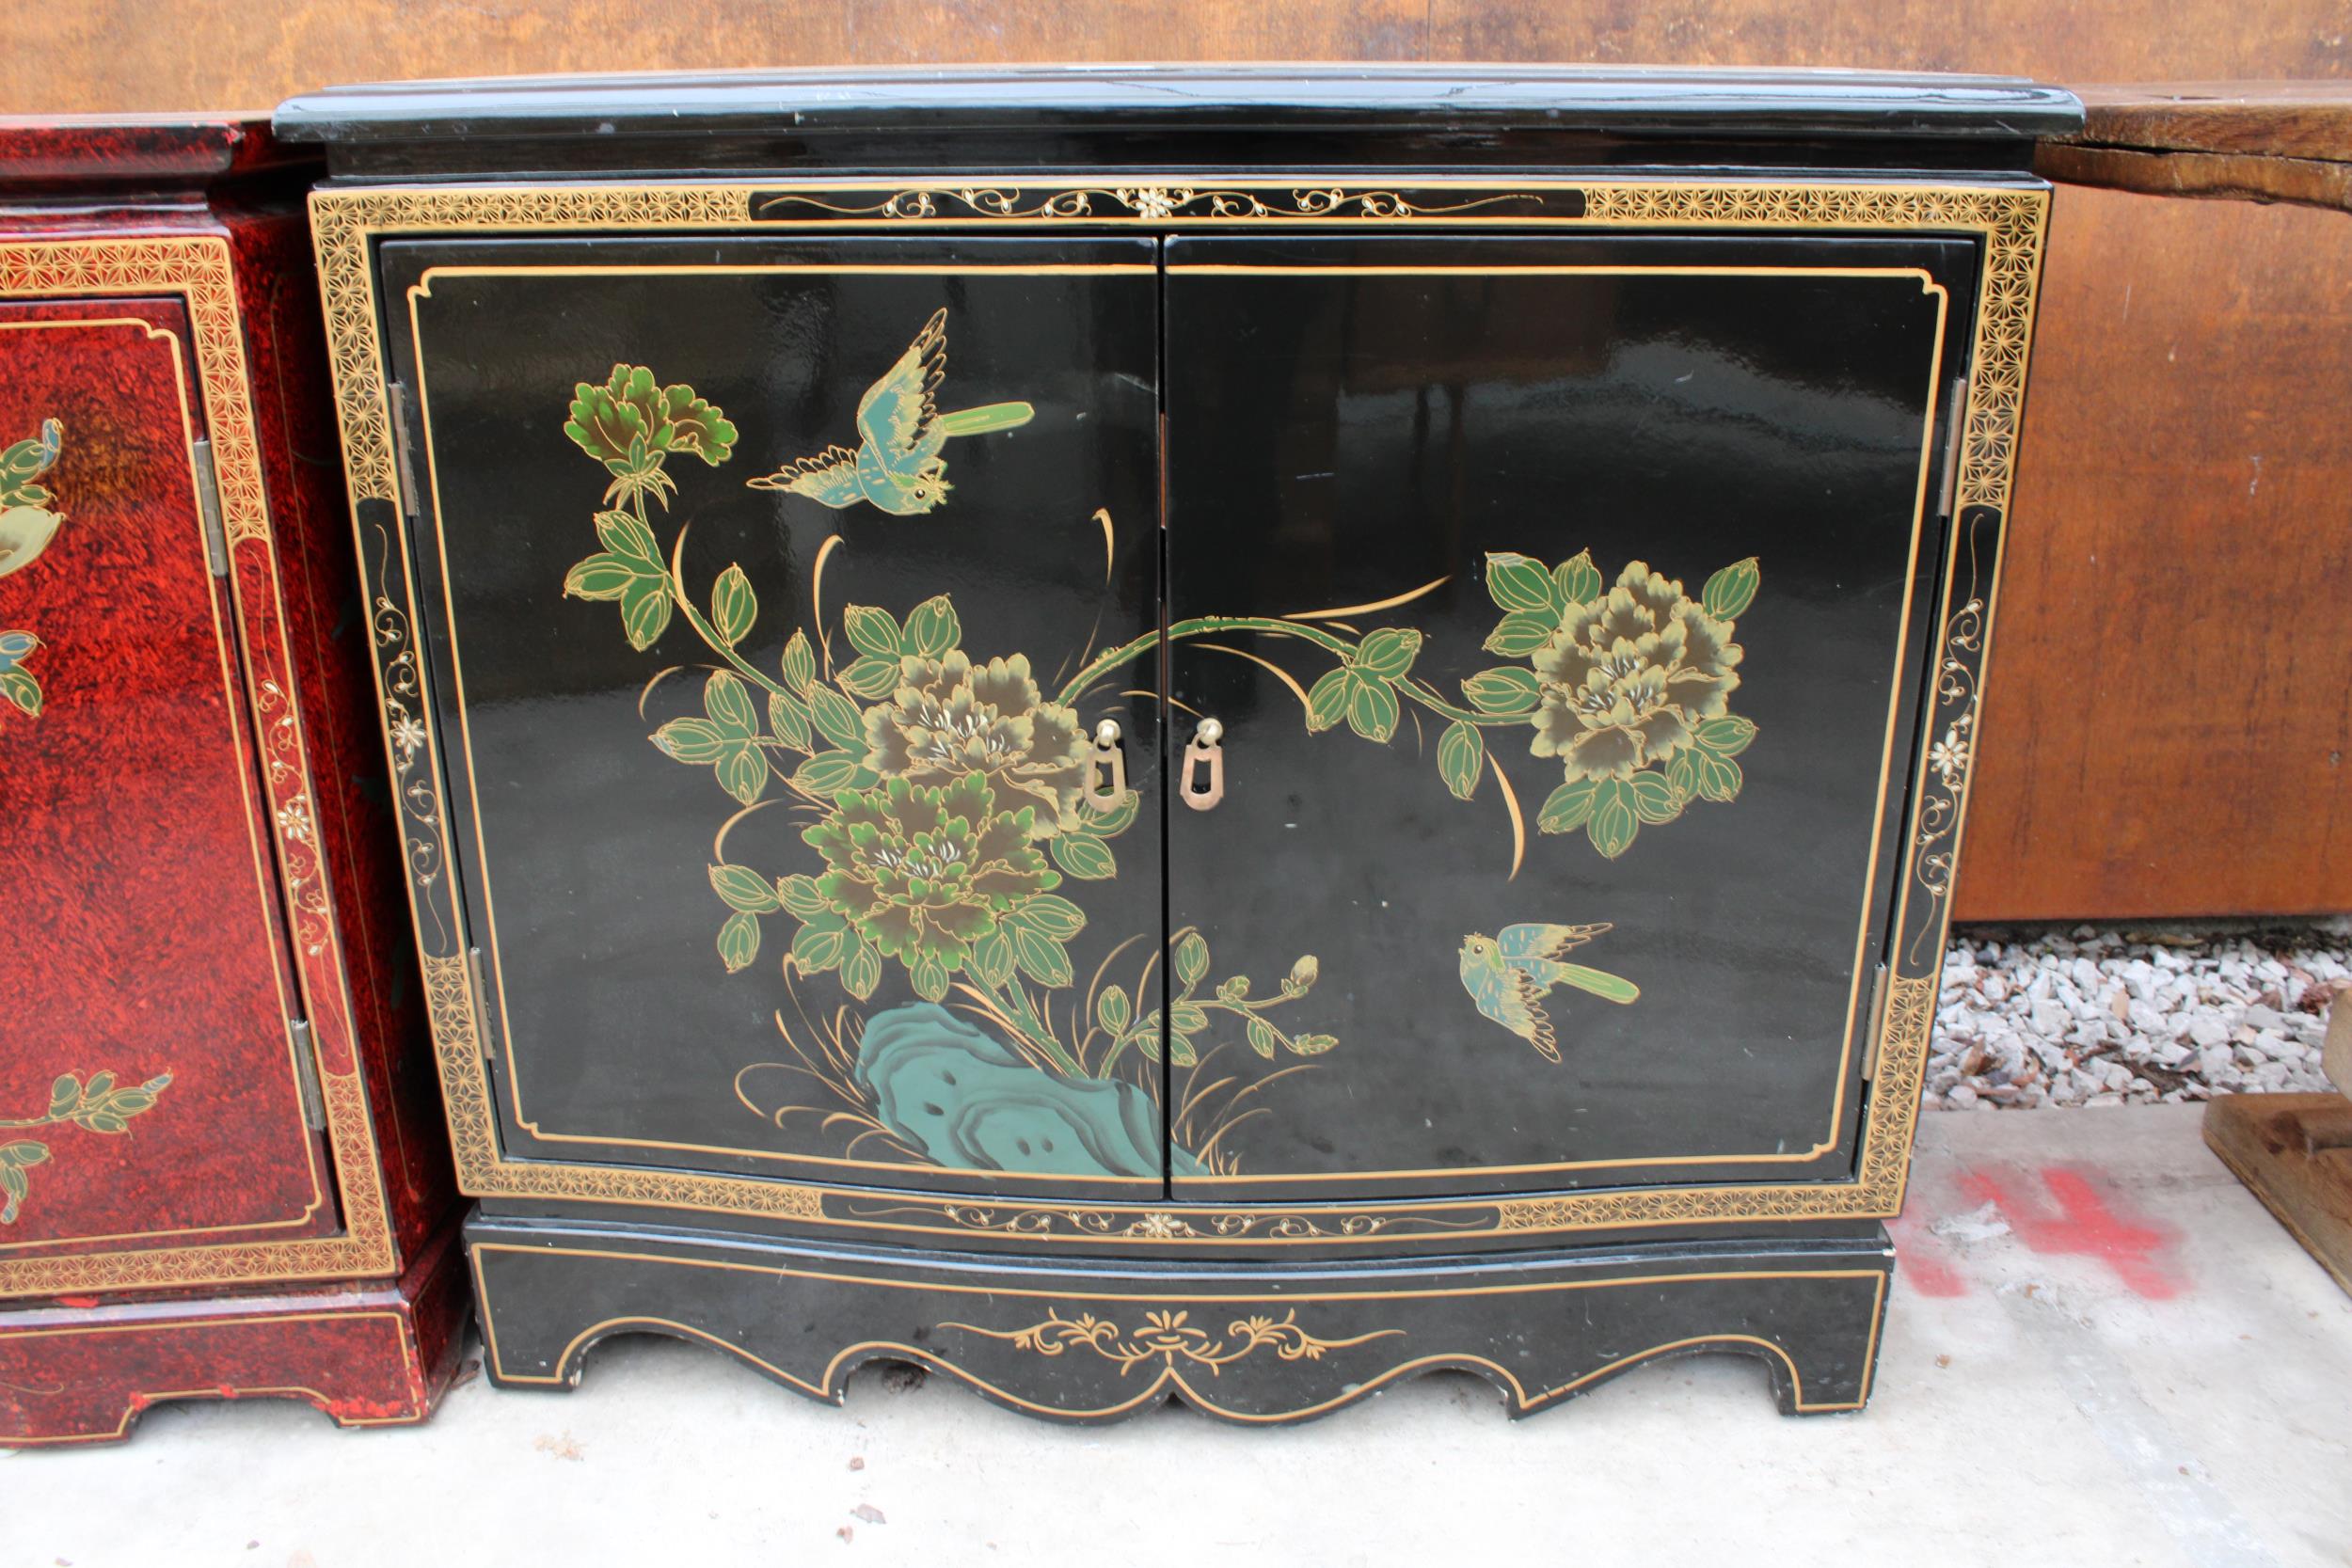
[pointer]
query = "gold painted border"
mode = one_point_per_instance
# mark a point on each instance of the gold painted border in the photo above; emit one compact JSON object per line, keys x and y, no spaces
{"x":200,"y":270}
{"x":265,"y":873}
{"x":831,"y":1381}
{"x":2010,"y":217}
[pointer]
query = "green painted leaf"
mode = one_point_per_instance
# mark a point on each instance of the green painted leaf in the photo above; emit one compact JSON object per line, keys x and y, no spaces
{"x":1181,"y":1053}
{"x":742,"y":772}
{"x":1719,"y":777}
{"x":1370,"y":707}
{"x":1053,"y":915}
{"x":1041,"y":957}
{"x":1147,"y":1033}
{"x":838,"y":718}
{"x":741,"y":888}
{"x":1388,"y":652}
{"x":1726,"y":736}
{"x":1187,"y":1018}
{"x":1327,"y":701}
{"x":1729,"y":592}
{"x":931,"y":629}
{"x":861,"y":971}
{"x":828,"y":773}
{"x":1461,"y":759}
{"x":992,"y":955}
{"x":817,"y":948}
{"x":22,"y":690}
{"x":728,"y":701}
{"x":101,"y":1085}
{"x":1504,"y":688}
{"x":739,"y":941}
{"x":64,"y":1094}
{"x":733,"y":606}
{"x":1517,"y":582}
{"x":788,"y":719}
{"x":1112,"y":1009}
{"x":800,"y":664}
{"x":872,"y":632}
{"x":1577,"y":578}
{"x":1567,"y":808}
{"x":870,"y":677}
{"x":1084,"y":856}
{"x":1613,"y":821}
{"x":627,"y":536}
{"x":928,"y":973}
{"x":801,"y":896}
{"x":601,"y":576}
{"x":1233,"y":989}
{"x":1654,"y":799}
{"x":693,"y":741}
{"x":1682,"y":775}
{"x":1261,"y":1036}
{"x":645,"y":611}
{"x":1520,"y":633}
{"x":24,"y":1151}
{"x":1191,"y":960}
{"x":1313,"y":1045}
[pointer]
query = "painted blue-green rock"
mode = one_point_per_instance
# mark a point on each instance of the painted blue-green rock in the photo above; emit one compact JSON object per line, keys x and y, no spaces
{"x":972,"y":1102}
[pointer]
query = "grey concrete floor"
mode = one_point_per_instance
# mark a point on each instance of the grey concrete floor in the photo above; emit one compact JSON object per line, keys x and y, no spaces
{"x":2100,"y":1350}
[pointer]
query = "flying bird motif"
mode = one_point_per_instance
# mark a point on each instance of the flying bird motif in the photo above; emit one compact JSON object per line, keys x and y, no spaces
{"x":896,"y":465}
{"x":1509,"y":977}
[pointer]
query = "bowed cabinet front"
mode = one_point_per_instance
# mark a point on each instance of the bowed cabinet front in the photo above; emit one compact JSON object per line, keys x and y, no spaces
{"x":1183,"y":786}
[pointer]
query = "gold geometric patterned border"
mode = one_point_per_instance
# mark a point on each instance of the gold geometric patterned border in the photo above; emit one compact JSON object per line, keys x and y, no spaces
{"x":2008,"y":218}
{"x":197,"y":270}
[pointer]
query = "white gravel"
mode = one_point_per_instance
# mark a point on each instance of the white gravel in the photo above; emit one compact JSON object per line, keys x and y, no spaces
{"x":2098,"y":1016}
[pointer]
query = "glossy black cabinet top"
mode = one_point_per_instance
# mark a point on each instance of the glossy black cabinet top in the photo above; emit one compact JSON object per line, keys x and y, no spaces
{"x":1326,"y":113}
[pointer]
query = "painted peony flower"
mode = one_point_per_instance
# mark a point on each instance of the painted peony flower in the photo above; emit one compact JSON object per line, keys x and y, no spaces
{"x":924,"y":872}
{"x":1629,"y":675}
{"x":951,"y":718}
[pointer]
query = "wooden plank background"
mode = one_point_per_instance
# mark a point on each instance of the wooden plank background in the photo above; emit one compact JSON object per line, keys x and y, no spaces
{"x":2166,"y":723}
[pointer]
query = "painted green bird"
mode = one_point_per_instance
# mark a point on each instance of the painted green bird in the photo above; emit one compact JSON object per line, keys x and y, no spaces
{"x":896,"y":465}
{"x":1509,"y":977}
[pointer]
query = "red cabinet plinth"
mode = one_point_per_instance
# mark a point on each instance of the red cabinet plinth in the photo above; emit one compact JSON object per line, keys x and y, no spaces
{"x":222,"y":1170}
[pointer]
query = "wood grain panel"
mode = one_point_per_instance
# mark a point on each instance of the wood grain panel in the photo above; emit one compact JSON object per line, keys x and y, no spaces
{"x":2167,"y":709}
{"x":2166,"y":729}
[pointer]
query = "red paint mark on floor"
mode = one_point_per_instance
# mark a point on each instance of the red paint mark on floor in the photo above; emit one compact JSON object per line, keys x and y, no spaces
{"x":1921,"y":1261}
{"x":2084,"y":1226}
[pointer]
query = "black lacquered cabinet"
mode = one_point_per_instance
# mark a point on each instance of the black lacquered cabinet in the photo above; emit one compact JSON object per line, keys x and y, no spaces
{"x":1329,"y":740}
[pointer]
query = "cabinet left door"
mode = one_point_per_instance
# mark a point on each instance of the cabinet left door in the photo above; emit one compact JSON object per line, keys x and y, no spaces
{"x":150,"y":1091}
{"x":773,"y":593}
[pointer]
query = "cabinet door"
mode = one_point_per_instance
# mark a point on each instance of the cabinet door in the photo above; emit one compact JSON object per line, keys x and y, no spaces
{"x":1563,"y":602}
{"x":149,"y":1092}
{"x":770,"y":591}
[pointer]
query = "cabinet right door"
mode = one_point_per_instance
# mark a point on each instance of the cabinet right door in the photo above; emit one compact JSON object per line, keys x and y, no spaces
{"x":1564,"y":605}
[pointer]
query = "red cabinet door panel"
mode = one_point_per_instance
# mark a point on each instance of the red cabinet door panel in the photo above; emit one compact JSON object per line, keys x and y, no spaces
{"x":149,"y":1084}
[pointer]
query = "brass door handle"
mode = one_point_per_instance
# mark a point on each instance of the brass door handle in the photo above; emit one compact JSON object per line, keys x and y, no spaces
{"x":1106,"y":769}
{"x":1205,"y":757}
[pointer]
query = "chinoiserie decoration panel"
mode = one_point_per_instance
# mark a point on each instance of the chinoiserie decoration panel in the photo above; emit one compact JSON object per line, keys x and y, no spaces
{"x":782,"y":607}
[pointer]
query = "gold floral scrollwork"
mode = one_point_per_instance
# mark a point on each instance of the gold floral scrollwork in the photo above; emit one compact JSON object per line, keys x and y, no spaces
{"x":1168,"y":1337}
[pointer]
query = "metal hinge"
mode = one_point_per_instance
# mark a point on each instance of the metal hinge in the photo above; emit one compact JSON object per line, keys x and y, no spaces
{"x":480,"y":1002}
{"x":208,"y":503}
{"x":307,"y":1075}
{"x":1954,"y":442}
{"x":403,"y":455}
{"x":1877,"y":1016}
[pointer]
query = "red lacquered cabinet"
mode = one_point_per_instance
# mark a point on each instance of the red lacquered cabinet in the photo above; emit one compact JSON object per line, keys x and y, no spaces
{"x":222,"y":1167}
